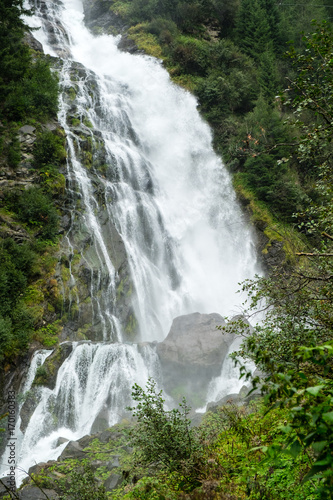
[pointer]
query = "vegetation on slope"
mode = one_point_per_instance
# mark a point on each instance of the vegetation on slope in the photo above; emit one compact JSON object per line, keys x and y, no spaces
{"x":29,"y":220}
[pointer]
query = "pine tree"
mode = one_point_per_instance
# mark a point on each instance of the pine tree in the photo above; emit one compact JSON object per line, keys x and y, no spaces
{"x":274,"y":20}
{"x":252,"y":28}
{"x":14,"y":55}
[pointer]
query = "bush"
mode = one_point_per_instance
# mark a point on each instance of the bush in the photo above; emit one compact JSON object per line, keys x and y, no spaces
{"x":82,"y":485}
{"x":192,"y":54}
{"x":49,"y":149}
{"x":35,"y":208}
{"x":36,"y":95}
{"x":164,"y":438}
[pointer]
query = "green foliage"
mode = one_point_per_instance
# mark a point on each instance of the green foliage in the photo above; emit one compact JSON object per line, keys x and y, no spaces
{"x":309,"y":95}
{"x":163,"y":438}
{"x":307,"y":395}
{"x":192,"y":54}
{"x":235,"y":462}
{"x":35,"y":95}
{"x":27,"y":87}
{"x":14,"y":55}
{"x":16,"y":268}
{"x":36,"y":209}
{"x":225,"y":12}
{"x":82,"y":485}
{"x":16,"y":264}
{"x":49,"y":149}
{"x":49,"y":155}
{"x":253,"y":28}
{"x":230,"y":88}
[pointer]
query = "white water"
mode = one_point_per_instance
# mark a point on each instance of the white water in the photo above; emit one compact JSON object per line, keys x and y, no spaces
{"x":186,"y":242}
{"x":229,"y":381}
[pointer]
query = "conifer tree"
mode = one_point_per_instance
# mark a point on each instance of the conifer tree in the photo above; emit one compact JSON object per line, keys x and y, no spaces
{"x":253,"y":31}
{"x":14,"y":55}
{"x":273,"y":19}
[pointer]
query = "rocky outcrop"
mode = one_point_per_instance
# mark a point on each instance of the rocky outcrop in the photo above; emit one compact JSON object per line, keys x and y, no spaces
{"x":100,"y":19}
{"x":110,"y":446}
{"x":193,"y":352}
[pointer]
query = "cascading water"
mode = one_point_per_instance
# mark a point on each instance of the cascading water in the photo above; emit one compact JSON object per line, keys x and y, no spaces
{"x":153,"y":213}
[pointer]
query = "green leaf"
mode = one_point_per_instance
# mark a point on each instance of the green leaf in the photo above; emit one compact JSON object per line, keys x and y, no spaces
{"x":319,"y":446}
{"x":295,"y":449}
{"x":328,"y":417}
{"x":314,"y":391}
{"x":286,"y":428}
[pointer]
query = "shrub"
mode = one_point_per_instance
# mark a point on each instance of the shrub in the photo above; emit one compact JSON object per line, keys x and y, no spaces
{"x":82,"y":485}
{"x":35,"y":95}
{"x":49,"y":149}
{"x":164,"y":438}
{"x":35,"y":208}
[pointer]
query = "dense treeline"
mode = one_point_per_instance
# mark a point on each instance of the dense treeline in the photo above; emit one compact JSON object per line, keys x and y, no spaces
{"x":28,"y":217}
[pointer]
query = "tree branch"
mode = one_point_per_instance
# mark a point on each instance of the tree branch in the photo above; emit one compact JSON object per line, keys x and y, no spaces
{"x":305,"y":254}
{"x":327,"y":236}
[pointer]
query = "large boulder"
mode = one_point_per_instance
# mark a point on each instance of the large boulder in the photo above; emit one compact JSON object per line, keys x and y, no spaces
{"x":193,"y":353}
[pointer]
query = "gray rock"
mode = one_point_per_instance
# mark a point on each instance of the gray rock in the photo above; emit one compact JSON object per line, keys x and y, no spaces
{"x":229,"y":398}
{"x":193,"y":353}
{"x":53,"y":363}
{"x":61,"y":441}
{"x":112,"y":464}
{"x":101,"y":421}
{"x":27,"y":129}
{"x":33,"y":43}
{"x":34,"y":493}
{"x":194,"y":340}
{"x":86,"y":440}
{"x":112,"y":482}
{"x":72,"y":450}
{"x":29,"y":406}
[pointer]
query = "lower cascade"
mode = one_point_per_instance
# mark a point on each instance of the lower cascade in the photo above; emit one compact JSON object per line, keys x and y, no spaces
{"x":153,"y":234}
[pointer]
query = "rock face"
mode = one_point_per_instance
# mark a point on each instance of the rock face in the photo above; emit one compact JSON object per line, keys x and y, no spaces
{"x":193,"y":352}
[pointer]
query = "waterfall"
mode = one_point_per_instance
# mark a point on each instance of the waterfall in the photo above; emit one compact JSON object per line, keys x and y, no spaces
{"x":154,"y":225}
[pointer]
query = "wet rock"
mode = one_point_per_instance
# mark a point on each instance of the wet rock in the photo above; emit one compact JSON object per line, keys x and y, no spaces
{"x":53,"y":363}
{"x":99,"y":18}
{"x":195,"y":341}
{"x":33,"y":43}
{"x":61,"y":441}
{"x":65,"y":222}
{"x":101,"y":421}
{"x":193,"y":353}
{"x":127,"y":45}
{"x":29,"y":406}
{"x":73,"y":450}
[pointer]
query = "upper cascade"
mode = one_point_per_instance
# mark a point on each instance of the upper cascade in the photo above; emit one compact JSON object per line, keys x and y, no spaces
{"x":163,"y":188}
